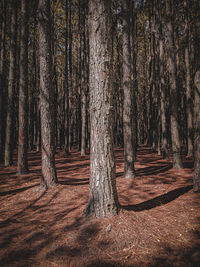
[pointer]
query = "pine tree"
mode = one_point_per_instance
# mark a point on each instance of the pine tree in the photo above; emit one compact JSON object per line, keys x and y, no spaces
{"x":23,"y":92}
{"x":49,"y":178}
{"x":103,"y":200}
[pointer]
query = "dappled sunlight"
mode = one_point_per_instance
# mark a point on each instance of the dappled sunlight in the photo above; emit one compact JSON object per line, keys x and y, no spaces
{"x":158,"y":217}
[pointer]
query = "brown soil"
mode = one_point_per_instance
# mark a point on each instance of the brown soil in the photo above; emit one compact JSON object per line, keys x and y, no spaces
{"x":158,"y":225}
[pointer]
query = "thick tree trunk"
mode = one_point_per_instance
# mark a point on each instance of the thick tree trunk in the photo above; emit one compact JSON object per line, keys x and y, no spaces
{"x":176,"y":144}
{"x":196,"y":180}
{"x":11,"y":88}
{"x":103,"y":200}
{"x":129,"y":171}
{"x":49,"y":178}
{"x":23,"y":92}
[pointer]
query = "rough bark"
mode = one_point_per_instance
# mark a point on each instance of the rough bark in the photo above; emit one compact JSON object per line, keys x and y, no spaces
{"x":152,"y":78}
{"x":196,"y":181}
{"x":134,"y":85}
{"x":83,"y":120}
{"x":129,"y":171}
{"x":176,"y":144}
{"x":23,"y":92}
{"x":196,"y":66}
{"x":164,"y":142}
{"x":103,"y":200}
{"x":33,"y":88}
{"x":188,"y":87}
{"x":11,"y":88}
{"x":84,"y":84}
{"x":49,"y":178}
{"x":70,"y":110}
{"x":66,"y":81}
{"x":2,"y":80}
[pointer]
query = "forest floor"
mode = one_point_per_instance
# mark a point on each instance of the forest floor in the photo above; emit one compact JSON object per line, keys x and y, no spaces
{"x":158,"y":225}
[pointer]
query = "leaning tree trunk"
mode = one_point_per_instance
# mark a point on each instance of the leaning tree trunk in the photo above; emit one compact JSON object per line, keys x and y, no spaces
{"x":128,"y":103}
{"x":49,"y":178}
{"x":23,"y":92}
{"x":103,"y":200}
{"x":11,"y":88}
{"x":176,"y":144}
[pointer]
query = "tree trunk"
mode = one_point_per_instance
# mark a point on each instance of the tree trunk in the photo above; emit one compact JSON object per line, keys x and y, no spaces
{"x":49,"y":178}
{"x":129,"y":171}
{"x":164,"y":141}
{"x":11,"y":88}
{"x":66,"y":91}
{"x":70,"y":110}
{"x":38,"y":126}
{"x":196,"y":180}
{"x":2,"y":80}
{"x":152,"y":73}
{"x":103,"y":201}
{"x":176,"y":144}
{"x":188,"y":87}
{"x":196,"y":67}
{"x":84,"y":84}
{"x":23,"y":92}
{"x":134,"y":86}
{"x":83,"y":120}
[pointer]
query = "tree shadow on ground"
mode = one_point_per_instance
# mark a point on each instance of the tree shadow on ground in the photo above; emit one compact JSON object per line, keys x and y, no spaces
{"x":72,"y":181}
{"x":160,"y":200}
{"x":152,"y":170}
{"x":19,"y":190}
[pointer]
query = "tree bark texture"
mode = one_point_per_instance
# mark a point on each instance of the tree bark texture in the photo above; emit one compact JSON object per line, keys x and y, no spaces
{"x":11,"y":88}
{"x":103,"y":201}
{"x":163,"y":118}
{"x":196,"y":180}
{"x":176,"y":144}
{"x":134,"y":85}
{"x":2,"y":80}
{"x":152,"y":78}
{"x":188,"y":87}
{"x":66,"y":92}
{"x":23,"y":92}
{"x":83,"y":81}
{"x":33,"y":88}
{"x":49,"y":178}
{"x":129,"y":171}
{"x":71,"y":107}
